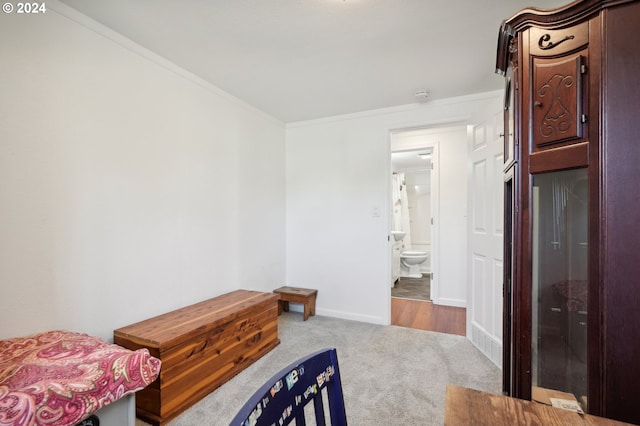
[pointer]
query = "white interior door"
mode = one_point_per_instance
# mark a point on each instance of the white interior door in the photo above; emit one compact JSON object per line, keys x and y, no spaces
{"x":485,"y":235}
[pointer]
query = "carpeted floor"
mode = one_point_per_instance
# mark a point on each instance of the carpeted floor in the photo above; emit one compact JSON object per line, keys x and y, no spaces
{"x":391,"y":375}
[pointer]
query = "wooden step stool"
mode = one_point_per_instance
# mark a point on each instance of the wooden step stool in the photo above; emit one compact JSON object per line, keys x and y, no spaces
{"x":306,"y":296}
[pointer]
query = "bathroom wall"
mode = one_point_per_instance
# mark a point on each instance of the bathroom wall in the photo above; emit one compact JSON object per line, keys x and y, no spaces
{"x":419,"y":199}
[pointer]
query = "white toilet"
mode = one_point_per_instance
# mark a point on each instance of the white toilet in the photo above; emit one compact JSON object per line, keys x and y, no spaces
{"x":411,"y":261}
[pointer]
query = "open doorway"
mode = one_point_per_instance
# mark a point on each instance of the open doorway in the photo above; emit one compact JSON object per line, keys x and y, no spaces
{"x":412,"y":222}
{"x":415,"y":225}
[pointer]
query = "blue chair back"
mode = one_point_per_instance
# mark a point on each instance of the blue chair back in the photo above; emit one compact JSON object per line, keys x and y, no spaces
{"x":284,"y":397}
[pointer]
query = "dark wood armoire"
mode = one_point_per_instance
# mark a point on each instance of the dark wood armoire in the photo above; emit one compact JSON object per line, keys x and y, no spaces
{"x":572,"y":204}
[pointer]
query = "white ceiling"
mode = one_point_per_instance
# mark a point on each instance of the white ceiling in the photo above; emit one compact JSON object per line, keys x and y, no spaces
{"x":305,"y":59}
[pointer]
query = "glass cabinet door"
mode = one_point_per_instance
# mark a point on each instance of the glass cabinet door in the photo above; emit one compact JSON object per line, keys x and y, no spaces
{"x":559,"y":282}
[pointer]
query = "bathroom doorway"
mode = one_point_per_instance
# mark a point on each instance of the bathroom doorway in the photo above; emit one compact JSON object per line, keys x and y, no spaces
{"x":412,"y":222}
{"x":414,"y":213}
{"x":416,"y":157}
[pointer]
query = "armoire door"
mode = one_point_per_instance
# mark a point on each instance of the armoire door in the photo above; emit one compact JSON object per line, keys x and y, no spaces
{"x":559,"y":282}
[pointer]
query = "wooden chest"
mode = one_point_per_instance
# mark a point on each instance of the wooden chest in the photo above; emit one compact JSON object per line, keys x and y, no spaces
{"x":201,"y":347}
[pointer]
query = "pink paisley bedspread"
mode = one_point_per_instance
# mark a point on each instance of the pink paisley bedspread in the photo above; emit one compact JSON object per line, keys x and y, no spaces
{"x":60,"y":377}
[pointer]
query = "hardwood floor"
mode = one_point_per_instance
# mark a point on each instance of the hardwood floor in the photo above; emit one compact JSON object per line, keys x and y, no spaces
{"x":424,"y":315}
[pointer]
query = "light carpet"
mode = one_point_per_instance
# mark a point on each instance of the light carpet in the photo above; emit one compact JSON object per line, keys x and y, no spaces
{"x":390,"y":375}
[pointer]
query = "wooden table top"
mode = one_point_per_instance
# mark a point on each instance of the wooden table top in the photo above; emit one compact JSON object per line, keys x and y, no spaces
{"x":466,"y":406}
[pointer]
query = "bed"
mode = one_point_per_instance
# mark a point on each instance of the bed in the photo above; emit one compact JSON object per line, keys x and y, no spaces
{"x":59,"y":378}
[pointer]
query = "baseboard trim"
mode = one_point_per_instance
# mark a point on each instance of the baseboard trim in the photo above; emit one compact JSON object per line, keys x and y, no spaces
{"x":458,"y":303}
{"x":297,"y":307}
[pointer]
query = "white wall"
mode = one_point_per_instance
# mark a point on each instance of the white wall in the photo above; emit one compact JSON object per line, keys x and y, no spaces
{"x":419,"y":195}
{"x":338,"y":192}
{"x":128,"y":187}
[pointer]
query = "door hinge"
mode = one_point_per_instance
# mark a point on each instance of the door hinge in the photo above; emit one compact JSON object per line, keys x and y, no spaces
{"x":583,"y":69}
{"x":583,"y":118}
{"x":432,"y":221}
